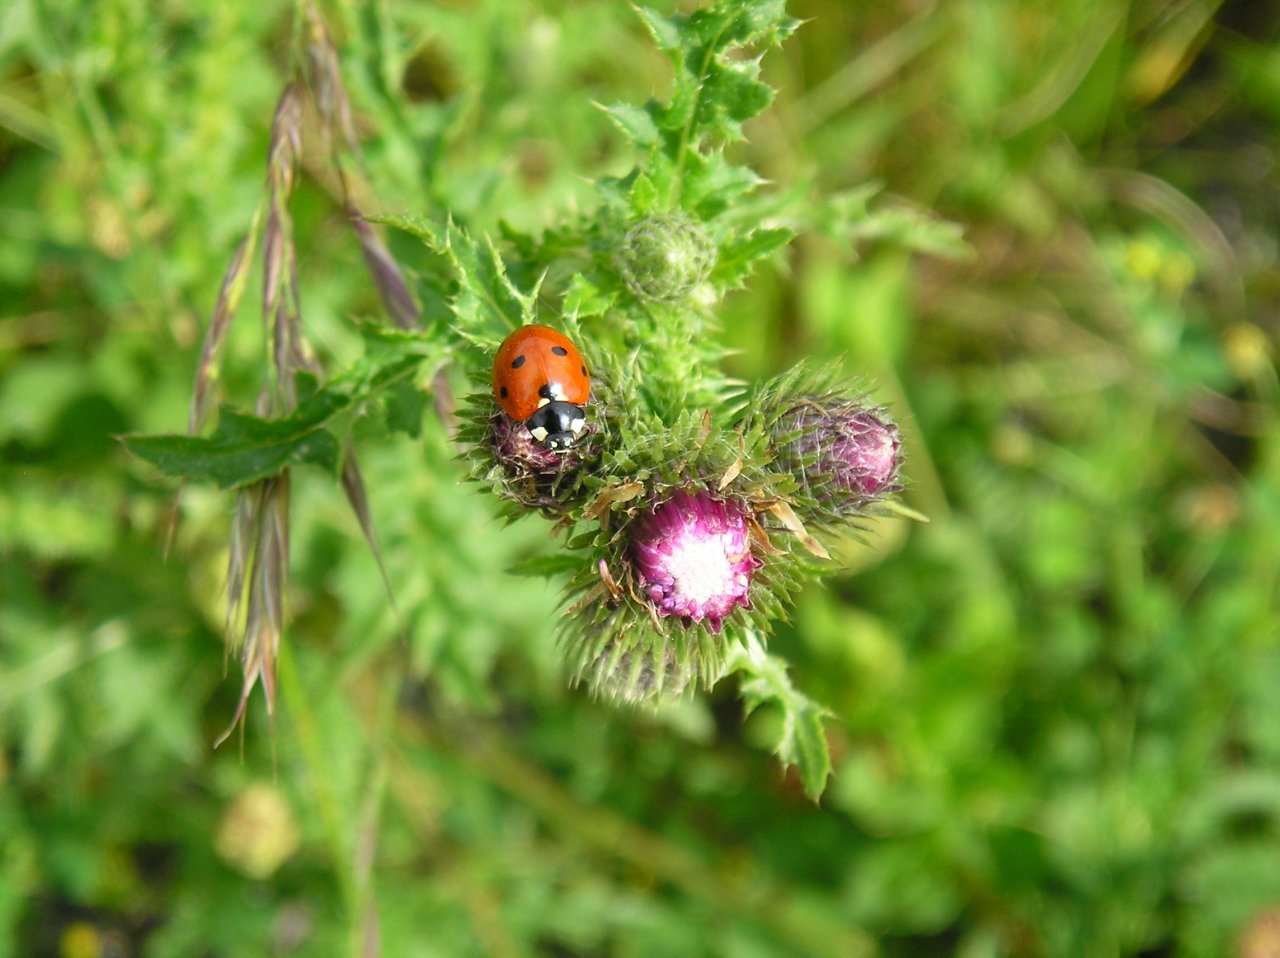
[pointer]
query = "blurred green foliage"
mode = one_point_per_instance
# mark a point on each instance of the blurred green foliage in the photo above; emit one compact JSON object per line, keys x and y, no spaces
{"x":1055,"y":724}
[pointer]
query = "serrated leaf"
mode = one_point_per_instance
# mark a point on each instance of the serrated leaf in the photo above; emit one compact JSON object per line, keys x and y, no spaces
{"x":769,"y":17}
{"x":738,"y":256}
{"x":420,"y":226}
{"x":713,"y":185}
{"x":848,"y":218}
{"x":914,"y":230}
{"x":714,"y":92}
{"x":804,"y":745}
{"x":729,"y":95}
{"x":585,"y":298}
{"x":243,"y":450}
{"x":406,"y":403}
{"x":802,"y":741}
{"x":486,"y":300}
{"x":666,"y":32}
{"x":644,"y":195}
{"x":635,"y":122}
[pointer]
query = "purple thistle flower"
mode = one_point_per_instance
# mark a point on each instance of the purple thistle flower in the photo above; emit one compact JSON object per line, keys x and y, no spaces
{"x":847,"y":445}
{"x":692,"y":556}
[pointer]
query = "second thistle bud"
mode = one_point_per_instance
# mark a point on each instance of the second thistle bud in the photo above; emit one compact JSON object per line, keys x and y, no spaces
{"x":692,"y":556}
{"x":845,"y":453}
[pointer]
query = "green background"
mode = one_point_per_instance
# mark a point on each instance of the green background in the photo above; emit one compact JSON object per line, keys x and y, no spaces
{"x":1056,"y":724}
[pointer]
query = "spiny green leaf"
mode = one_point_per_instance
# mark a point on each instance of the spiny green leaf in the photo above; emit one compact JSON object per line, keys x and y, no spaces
{"x":848,"y":218}
{"x":666,"y":32}
{"x":644,"y":195}
{"x":243,"y":450}
{"x":422,"y":227}
{"x":802,"y":742}
{"x":914,"y":230}
{"x":738,"y":256}
{"x":732,"y":95}
{"x":714,"y":93}
{"x":585,"y":298}
{"x":635,"y":122}
{"x":487,"y":303}
{"x":713,"y":185}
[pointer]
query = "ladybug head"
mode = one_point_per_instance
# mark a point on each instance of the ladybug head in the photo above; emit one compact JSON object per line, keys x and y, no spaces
{"x":557,"y":425}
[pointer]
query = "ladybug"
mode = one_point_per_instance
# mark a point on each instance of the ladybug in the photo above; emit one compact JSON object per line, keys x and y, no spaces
{"x":540,"y":379}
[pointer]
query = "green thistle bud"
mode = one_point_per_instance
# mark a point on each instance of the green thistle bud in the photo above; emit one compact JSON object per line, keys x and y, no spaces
{"x":664,"y":258}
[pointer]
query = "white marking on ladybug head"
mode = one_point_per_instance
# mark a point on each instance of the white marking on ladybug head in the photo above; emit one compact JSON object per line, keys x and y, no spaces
{"x":577,"y":426}
{"x":539,"y":433}
{"x":543,"y":401}
{"x":550,"y":391}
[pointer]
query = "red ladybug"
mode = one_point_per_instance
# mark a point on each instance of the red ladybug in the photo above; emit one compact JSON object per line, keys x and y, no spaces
{"x":539,"y":379}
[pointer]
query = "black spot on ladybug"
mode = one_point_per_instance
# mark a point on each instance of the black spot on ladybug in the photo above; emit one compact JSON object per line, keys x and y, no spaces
{"x":584,"y":370}
{"x":503,"y":392}
{"x":517,"y":362}
{"x":560,"y":350}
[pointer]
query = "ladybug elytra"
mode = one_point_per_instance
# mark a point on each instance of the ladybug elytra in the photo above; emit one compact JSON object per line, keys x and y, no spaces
{"x":540,"y":379}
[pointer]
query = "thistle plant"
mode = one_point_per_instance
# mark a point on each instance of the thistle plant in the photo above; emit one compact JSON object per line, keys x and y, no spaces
{"x":691,"y":509}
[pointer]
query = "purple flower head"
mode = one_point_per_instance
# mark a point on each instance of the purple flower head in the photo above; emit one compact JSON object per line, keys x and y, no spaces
{"x":692,"y":556}
{"x":847,"y":445}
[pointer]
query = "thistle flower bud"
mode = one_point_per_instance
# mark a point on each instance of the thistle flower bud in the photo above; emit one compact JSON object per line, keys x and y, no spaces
{"x":841,"y":450}
{"x":530,"y":474}
{"x":692,"y":557}
{"x":516,"y":449}
{"x":663,"y":258}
